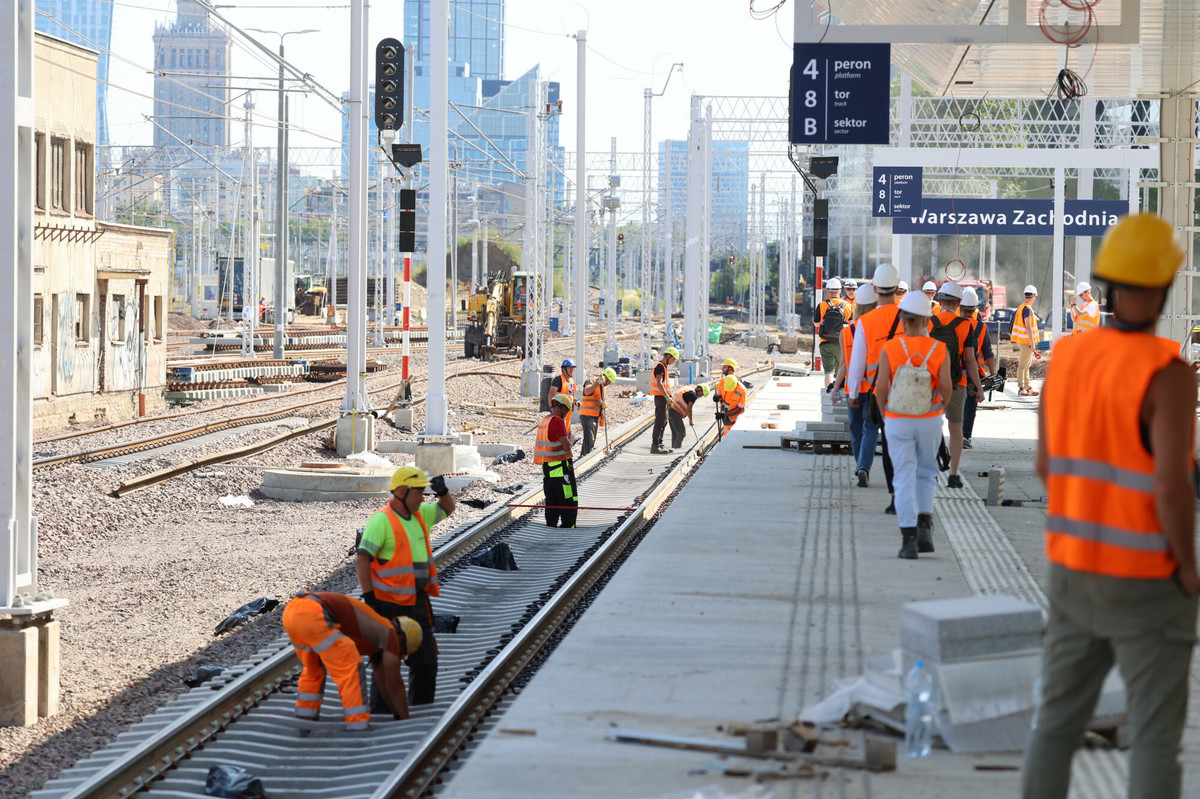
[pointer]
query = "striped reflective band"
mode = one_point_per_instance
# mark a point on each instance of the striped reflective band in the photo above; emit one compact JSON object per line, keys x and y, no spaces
{"x":308,"y":713}
{"x":1103,"y":472}
{"x":410,"y":590}
{"x":354,"y":711}
{"x":354,"y":726}
{"x":419,"y":569}
{"x":1103,"y":534}
{"x":308,"y":697}
{"x":321,"y":647}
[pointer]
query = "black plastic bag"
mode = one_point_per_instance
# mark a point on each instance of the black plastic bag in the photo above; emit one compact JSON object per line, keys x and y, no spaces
{"x":510,"y":457}
{"x":203,"y":675}
{"x":445,"y":624}
{"x":498,"y":557}
{"x":943,"y":456}
{"x":477,"y":503}
{"x":233,"y":783}
{"x":515,"y":488}
{"x":263,"y":604}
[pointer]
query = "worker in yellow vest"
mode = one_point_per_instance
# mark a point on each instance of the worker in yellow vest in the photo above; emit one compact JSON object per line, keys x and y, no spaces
{"x":1025,"y":335}
{"x":1120,"y":523}
{"x":660,"y":389}
{"x":395,"y":568}
{"x":591,"y":408}
{"x":553,"y":452}
{"x":1085,"y":311}
{"x":682,"y":401}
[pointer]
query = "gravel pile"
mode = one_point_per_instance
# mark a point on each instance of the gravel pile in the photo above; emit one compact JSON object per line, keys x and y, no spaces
{"x":150,"y":576}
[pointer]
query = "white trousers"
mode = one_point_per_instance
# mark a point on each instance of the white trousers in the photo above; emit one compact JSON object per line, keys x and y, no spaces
{"x":913,"y":446}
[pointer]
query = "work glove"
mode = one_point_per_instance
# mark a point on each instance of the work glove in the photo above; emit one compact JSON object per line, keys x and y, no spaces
{"x":438,"y":484}
{"x":720,"y":416}
{"x":368,"y":597}
{"x":603,"y":405}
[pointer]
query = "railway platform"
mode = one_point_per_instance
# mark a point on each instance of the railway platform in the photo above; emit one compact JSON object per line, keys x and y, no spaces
{"x":768,"y":578}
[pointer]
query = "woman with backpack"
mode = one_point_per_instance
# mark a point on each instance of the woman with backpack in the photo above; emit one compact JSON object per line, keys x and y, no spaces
{"x":912,"y":392}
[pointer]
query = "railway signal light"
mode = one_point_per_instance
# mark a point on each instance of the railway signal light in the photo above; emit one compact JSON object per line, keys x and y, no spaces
{"x":389,"y":84}
{"x":820,"y":228}
{"x":620,"y":239}
{"x":731,"y":260}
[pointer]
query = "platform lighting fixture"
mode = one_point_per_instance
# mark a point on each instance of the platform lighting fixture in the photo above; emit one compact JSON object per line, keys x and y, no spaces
{"x":823,"y":166}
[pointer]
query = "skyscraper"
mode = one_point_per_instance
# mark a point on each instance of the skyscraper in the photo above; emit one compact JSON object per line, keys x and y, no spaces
{"x":191,"y":81}
{"x":476,"y":34}
{"x":87,"y":23}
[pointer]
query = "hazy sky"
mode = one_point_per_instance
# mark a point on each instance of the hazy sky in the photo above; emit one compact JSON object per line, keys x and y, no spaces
{"x":632,"y":44}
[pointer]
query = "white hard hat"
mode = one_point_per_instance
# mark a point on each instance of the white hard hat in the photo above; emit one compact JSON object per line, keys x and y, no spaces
{"x":929,"y":286}
{"x":970,"y":298}
{"x":866,"y":294}
{"x":886,"y":277}
{"x":951,"y":289}
{"x":1031,"y":289}
{"x":916,"y":303}
{"x":1082,"y":287}
{"x":902,"y":286}
{"x":850,"y":283}
{"x":833,"y":285}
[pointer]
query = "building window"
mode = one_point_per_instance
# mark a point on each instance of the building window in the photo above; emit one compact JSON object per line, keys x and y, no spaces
{"x":158,"y":318}
{"x":83,"y":313}
{"x":58,"y":174}
{"x":39,"y":171}
{"x":84,"y":178}
{"x":37,"y":319}
{"x":119,"y":309}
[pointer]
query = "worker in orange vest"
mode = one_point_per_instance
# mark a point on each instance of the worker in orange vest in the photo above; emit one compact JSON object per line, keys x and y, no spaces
{"x":592,"y":406}
{"x":395,"y":568}
{"x":564,"y":383}
{"x":682,"y":401}
{"x":1025,"y":335}
{"x":1120,"y":523}
{"x":553,"y":452}
{"x":831,"y":315}
{"x":660,"y":389}
{"x":865,"y":302}
{"x":331,"y":633}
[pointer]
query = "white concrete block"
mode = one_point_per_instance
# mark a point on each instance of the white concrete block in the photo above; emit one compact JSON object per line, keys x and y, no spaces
{"x":354,"y":434}
{"x":436,"y":458}
{"x":18,"y":677}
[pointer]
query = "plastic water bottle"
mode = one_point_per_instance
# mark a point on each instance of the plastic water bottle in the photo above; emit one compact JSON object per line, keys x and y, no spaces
{"x":918,"y":716}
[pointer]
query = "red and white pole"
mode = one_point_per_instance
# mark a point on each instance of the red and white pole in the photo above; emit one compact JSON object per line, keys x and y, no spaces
{"x":407,"y":303}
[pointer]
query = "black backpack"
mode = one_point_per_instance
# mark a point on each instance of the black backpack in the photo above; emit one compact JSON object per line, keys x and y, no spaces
{"x":832,"y":323}
{"x":946,"y":334}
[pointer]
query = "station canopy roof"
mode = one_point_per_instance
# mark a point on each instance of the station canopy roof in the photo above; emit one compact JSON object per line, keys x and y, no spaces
{"x":1029,"y":70}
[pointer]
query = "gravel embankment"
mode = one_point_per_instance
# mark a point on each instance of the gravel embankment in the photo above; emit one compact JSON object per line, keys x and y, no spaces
{"x":151,"y":575}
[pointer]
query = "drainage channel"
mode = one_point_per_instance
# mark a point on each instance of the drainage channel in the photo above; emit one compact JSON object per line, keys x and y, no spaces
{"x":258,"y":732}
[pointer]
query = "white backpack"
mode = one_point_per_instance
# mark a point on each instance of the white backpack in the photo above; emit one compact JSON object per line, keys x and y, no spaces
{"x":911,"y":392}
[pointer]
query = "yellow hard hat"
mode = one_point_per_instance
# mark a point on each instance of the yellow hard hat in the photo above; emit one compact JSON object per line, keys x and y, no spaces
{"x":563,"y":400}
{"x":674,"y":353}
{"x":729,"y":383}
{"x":410,"y":476}
{"x":704,"y":390}
{"x":410,"y":634}
{"x":610,"y":375}
{"x":1140,"y":250}
{"x":730,"y":362}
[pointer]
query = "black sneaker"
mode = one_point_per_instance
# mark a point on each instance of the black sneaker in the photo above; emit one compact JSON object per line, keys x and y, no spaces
{"x":967,"y":444}
{"x":924,"y":533}
{"x":954,"y":481}
{"x":862,"y":478}
{"x":660,"y":451}
{"x":890,"y":510}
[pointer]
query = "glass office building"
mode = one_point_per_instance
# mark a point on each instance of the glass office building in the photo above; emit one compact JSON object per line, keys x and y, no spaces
{"x":87,"y":23}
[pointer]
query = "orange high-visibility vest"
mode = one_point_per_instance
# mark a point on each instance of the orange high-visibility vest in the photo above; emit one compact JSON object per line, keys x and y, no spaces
{"x":589,"y":404}
{"x":545,"y":450}
{"x":660,"y":388}
{"x":678,"y":404}
{"x":876,"y":326}
{"x":395,"y":580}
{"x":917,"y":347}
{"x":1021,"y":332}
{"x":979,"y":329}
{"x":735,"y":403}
{"x":1101,"y":514}
{"x":1085,"y":321}
{"x":847,"y":344}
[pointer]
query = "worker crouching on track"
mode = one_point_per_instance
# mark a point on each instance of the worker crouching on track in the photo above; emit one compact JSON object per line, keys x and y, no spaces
{"x":564,"y":383}
{"x":592,"y":406}
{"x":660,"y":389}
{"x":331,"y":633}
{"x":553,"y":452}
{"x":682,"y":401}
{"x":1120,"y":523}
{"x":395,"y":567}
{"x":913,"y":389}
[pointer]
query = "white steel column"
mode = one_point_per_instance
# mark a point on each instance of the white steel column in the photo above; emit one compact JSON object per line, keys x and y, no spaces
{"x":531,"y":253}
{"x":439,"y":156}
{"x":581,"y":243}
{"x":385,"y":168}
{"x":706,"y":235}
{"x":901,"y":242}
{"x":647,"y":292}
{"x":1056,"y":260}
{"x":693,"y":251}
{"x":1087,"y":139}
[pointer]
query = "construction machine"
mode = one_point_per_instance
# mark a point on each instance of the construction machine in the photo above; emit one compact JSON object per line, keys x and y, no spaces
{"x":310,"y":295}
{"x":497,"y":317}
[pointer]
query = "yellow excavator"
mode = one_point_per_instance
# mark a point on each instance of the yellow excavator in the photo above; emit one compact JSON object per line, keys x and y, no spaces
{"x":497,"y":318}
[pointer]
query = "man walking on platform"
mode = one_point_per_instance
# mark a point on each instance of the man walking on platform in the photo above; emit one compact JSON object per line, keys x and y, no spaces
{"x":592,"y":406}
{"x":660,"y":389}
{"x":1025,"y":335}
{"x":985,"y":358}
{"x":830,"y":317}
{"x":395,"y":567}
{"x":1120,"y":523}
{"x":553,"y":452}
{"x":953,"y":330}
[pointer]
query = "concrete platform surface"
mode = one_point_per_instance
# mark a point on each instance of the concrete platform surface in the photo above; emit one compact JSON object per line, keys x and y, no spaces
{"x":768,"y":579}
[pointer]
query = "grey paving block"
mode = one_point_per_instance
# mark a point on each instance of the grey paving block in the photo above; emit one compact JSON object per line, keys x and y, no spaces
{"x":955,"y":629}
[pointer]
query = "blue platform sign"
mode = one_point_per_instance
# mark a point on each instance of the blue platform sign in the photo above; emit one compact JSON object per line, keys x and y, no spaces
{"x":840,"y":93}
{"x":1009,"y":217}
{"x":896,"y":191}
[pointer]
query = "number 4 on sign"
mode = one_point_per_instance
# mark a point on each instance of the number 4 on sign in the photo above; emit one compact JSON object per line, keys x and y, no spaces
{"x":811,"y":69}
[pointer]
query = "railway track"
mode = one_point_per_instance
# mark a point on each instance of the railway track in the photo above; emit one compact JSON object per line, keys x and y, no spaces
{"x":245,"y":716}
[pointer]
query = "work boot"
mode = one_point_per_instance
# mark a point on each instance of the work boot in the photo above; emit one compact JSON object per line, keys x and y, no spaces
{"x":659,"y":450}
{"x":954,"y":481}
{"x":908,"y":548}
{"x":890,"y":510}
{"x":925,"y":532}
{"x":862,"y":478}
